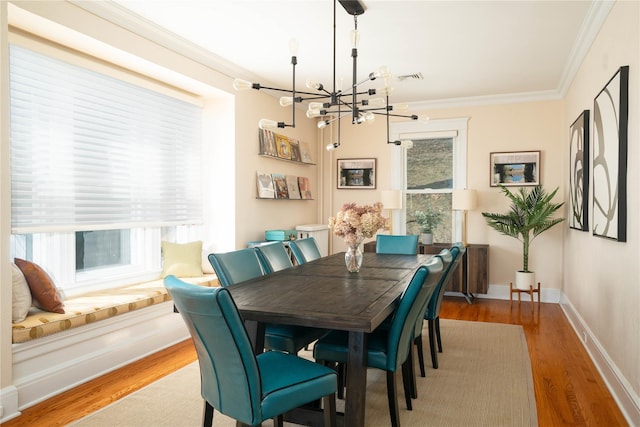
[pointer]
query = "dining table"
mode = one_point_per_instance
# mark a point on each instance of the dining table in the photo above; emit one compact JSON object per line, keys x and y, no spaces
{"x":324,"y":294}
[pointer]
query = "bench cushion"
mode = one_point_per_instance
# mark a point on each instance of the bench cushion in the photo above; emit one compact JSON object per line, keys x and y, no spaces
{"x":94,"y":306}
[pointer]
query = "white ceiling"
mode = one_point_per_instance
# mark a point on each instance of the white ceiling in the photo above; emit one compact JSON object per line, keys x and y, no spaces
{"x":464,"y":49}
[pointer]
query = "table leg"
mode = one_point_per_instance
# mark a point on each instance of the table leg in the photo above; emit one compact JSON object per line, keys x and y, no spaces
{"x":356,"y":380}
{"x":256,"y":334}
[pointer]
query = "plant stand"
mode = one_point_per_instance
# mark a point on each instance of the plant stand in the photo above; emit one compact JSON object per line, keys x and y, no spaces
{"x":529,"y":291}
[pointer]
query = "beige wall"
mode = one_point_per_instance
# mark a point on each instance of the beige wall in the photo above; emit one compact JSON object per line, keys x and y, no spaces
{"x":601,"y":276}
{"x":504,"y":127}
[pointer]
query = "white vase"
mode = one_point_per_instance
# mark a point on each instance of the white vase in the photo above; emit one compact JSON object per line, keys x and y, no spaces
{"x":426,"y":238}
{"x":525,"y":280}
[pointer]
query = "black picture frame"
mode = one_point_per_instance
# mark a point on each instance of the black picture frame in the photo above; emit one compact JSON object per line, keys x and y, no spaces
{"x":515,"y":168}
{"x":356,"y":174}
{"x":609,"y":165}
{"x":579,"y":173}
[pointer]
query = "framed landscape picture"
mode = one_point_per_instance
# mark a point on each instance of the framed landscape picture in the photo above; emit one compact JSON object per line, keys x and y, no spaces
{"x":357,"y":173}
{"x":515,"y":168}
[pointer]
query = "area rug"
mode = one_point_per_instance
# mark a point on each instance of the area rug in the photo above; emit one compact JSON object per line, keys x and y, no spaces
{"x":484,"y":379}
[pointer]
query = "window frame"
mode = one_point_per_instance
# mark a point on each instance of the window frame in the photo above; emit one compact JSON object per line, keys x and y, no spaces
{"x":431,"y":129}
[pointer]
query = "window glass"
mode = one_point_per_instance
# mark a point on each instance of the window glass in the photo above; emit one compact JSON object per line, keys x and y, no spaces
{"x":104,"y":248}
{"x":429,"y":184}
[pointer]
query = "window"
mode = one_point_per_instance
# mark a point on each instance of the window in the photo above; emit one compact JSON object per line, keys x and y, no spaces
{"x":100,"y":169}
{"x":429,"y":171}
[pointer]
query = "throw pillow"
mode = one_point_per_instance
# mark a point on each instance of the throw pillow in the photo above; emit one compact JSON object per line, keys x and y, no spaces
{"x":43,"y":290}
{"x":182,"y":259}
{"x":21,"y":295}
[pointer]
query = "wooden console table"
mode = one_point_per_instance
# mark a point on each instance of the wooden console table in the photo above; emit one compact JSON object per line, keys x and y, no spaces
{"x":473,"y":273}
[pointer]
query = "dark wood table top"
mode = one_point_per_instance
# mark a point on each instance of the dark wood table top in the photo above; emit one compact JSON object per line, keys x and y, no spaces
{"x":323,"y":294}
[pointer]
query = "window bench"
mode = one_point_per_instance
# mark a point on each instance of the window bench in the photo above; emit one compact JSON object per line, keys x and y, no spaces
{"x":95,"y":306}
{"x":100,"y":332}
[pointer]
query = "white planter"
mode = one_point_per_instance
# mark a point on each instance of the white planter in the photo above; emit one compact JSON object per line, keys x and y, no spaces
{"x":525,"y":280}
{"x":426,"y":238}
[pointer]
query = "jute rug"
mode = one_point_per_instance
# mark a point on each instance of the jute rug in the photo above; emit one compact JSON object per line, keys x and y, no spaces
{"x":484,"y":379}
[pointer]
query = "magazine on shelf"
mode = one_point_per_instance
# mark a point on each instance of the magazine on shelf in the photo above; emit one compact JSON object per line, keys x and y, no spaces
{"x":295,"y":150}
{"x":283,"y":146}
{"x":292,"y":187}
{"x":266,"y":190}
{"x":305,"y":187}
{"x":280,"y":185}
{"x":267,"y":143}
{"x":305,"y":154}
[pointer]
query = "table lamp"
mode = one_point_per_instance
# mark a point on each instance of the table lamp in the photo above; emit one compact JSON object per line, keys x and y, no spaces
{"x":391,"y":199}
{"x":464,"y":200}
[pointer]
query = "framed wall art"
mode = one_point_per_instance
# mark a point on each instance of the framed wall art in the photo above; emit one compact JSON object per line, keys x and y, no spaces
{"x":579,"y":172}
{"x":610,"y":120}
{"x":515,"y":169}
{"x":357,"y":173}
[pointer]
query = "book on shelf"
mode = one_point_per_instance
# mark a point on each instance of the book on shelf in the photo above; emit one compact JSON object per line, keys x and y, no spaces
{"x":280,"y":185}
{"x":305,"y":154}
{"x":283,"y":146}
{"x":305,"y":187}
{"x":295,"y":150}
{"x":266,"y":189}
{"x":292,"y":186}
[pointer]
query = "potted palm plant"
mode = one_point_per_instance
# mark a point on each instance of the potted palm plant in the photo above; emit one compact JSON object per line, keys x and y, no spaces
{"x":530,"y":214}
{"x":428,"y":220}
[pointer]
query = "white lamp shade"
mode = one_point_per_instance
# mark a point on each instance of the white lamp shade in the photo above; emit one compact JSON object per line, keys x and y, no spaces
{"x":391,"y":199}
{"x":464,"y":199}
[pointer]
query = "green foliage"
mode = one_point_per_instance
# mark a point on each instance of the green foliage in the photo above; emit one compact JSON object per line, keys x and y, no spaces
{"x":428,"y":219}
{"x":530,"y":214}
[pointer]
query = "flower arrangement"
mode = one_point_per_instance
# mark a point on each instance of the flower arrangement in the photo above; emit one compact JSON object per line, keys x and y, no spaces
{"x":354,"y":223}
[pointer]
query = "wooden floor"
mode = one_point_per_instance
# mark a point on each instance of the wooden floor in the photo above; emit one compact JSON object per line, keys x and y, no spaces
{"x":569,"y":390}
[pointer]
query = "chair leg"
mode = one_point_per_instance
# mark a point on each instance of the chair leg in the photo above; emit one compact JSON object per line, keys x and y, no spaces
{"x":207,"y":415}
{"x":278,"y":421}
{"x":432,"y":343}
{"x":393,"y":401}
{"x":342,"y":376}
{"x":410,"y":375}
{"x":329,"y":410}
{"x":438,"y":334}
{"x":418,"y":342}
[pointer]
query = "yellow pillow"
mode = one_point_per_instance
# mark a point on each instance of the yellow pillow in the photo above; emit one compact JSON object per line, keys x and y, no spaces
{"x":182,"y":259}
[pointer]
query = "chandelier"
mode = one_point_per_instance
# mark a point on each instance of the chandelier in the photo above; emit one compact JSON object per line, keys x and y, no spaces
{"x":333,"y":105}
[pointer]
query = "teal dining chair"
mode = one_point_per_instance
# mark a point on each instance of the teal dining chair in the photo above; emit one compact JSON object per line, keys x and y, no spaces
{"x":432,"y":311}
{"x":274,"y":257}
{"x":233,"y":380}
{"x":304,"y":250}
{"x":236,"y":266}
{"x":396,"y":244}
{"x":390,"y":349}
{"x":244,"y":264}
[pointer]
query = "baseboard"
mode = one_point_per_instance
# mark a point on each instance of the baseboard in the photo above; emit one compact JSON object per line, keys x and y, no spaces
{"x":8,"y":404}
{"x":503,"y":292}
{"x":47,"y":366}
{"x":621,"y":390}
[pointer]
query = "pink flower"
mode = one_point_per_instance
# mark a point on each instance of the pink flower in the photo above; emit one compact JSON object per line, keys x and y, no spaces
{"x":354,"y":223}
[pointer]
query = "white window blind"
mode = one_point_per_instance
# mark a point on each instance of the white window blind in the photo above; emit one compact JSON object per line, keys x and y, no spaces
{"x":91,"y":152}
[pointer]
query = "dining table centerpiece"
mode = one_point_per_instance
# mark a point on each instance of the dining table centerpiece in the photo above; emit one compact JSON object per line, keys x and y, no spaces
{"x":354,"y":224}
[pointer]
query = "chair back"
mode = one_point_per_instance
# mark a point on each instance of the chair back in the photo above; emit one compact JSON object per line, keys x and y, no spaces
{"x":229,"y":374}
{"x":409,"y":310}
{"x":395,"y":244}
{"x":433,"y":307}
{"x":236,"y":266}
{"x":305,"y":250}
{"x":274,"y":257}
